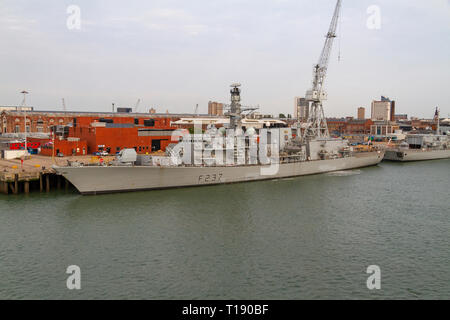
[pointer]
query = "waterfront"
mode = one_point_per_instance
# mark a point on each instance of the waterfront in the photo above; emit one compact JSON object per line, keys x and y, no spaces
{"x":307,"y":237}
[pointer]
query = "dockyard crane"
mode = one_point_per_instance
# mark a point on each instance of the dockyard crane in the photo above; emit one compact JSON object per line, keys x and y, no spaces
{"x":317,"y":124}
{"x":136,"y":107}
{"x":64,"y":105}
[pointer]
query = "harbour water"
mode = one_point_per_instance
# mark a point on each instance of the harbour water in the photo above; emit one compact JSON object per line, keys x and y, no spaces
{"x":303,"y":238}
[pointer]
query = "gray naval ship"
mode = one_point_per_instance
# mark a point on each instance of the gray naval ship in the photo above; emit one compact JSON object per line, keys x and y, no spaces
{"x":419,"y":147}
{"x":223,"y":155}
{"x":234,"y":153}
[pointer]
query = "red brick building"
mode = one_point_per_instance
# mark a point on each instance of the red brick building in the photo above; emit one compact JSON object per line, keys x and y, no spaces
{"x":341,"y":126}
{"x":101,"y":136}
{"x":355,"y":126}
{"x":71,"y":147}
{"x":336,"y":126}
{"x":89,"y":132}
{"x":13,"y":121}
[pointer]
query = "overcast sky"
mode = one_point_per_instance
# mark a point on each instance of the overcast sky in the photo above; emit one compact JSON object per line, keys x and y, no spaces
{"x":173,"y":54}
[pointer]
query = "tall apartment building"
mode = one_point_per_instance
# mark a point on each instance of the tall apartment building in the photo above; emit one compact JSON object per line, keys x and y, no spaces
{"x":215,"y":108}
{"x":301,"y":110}
{"x":361,"y":113}
{"x":383,"y":110}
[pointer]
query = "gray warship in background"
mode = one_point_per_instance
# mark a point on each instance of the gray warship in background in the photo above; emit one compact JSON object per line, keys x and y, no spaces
{"x":218,"y":157}
{"x":420,"y":147}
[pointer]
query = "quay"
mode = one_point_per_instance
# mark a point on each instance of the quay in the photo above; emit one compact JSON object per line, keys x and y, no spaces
{"x":35,"y":174}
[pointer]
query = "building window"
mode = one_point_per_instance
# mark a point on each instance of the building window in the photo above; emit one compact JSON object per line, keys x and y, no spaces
{"x":149,"y":123}
{"x":17,"y":129}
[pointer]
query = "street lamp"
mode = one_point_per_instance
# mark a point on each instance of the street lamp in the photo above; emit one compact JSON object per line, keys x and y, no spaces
{"x":25,"y":118}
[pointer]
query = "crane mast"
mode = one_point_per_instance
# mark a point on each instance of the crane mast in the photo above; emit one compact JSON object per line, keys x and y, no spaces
{"x":317,"y":124}
{"x":136,"y":106}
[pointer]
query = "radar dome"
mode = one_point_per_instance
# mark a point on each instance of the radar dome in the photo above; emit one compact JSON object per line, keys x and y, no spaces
{"x":222,"y":131}
{"x":250,"y":131}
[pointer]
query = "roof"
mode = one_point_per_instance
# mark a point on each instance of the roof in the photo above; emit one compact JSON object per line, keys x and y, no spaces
{"x":224,"y":120}
{"x":107,"y":114}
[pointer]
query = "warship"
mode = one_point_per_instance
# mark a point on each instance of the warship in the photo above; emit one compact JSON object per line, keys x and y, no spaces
{"x":420,"y":147}
{"x":233,"y":153}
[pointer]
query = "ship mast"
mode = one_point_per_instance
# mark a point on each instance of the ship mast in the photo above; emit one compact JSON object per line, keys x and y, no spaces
{"x":436,"y":115}
{"x":235,"y":107}
{"x":317,"y":124}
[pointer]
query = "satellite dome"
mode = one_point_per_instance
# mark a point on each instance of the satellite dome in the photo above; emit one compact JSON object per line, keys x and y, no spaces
{"x":250,"y":131}
{"x":222,"y":131}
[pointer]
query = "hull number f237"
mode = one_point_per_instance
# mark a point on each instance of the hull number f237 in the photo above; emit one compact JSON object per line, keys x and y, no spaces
{"x":210,"y":178}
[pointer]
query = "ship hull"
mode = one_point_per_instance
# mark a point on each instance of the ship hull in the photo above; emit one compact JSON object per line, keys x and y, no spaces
{"x":111,"y":179}
{"x":415,"y":155}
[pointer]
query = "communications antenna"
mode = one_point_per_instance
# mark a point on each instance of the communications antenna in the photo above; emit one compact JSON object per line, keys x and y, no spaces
{"x":24,"y":92}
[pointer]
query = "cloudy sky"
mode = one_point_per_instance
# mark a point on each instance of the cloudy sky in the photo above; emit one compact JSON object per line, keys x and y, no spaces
{"x":173,"y":54}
